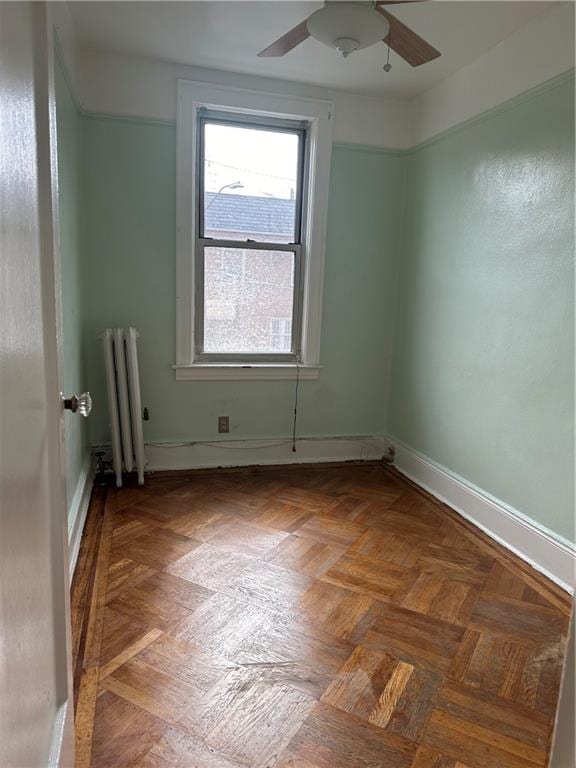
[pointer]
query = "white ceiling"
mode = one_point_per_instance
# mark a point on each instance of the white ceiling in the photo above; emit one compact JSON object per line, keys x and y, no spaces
{"x":228,"y":35}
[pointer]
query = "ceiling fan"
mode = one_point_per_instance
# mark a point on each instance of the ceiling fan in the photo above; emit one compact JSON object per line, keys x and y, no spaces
{"x":351,"y":26}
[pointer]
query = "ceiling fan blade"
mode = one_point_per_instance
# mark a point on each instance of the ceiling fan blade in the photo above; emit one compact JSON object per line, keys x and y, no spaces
{"x":413,"y":48}
{"x":288,"y":41}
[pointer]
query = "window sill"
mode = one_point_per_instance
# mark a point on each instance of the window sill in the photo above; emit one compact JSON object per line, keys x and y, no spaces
{"x":246,"y":372}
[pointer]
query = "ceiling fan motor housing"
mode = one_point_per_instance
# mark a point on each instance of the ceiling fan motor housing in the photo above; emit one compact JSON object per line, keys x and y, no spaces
{"x":348,"y":26}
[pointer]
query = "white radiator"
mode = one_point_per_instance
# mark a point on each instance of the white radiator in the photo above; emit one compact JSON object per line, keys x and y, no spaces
{"x":124,"y":402}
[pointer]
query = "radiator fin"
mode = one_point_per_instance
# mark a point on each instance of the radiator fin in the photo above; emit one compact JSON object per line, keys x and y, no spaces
{"x":124,"y":401}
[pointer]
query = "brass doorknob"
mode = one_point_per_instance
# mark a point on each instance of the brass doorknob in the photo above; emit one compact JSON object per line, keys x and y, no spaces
{"x":81,"y":404}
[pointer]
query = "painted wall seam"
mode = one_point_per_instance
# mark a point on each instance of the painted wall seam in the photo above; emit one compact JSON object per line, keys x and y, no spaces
{"x":61,"y":62}
{"x":554,"y":82}
{"x":532,"y":93}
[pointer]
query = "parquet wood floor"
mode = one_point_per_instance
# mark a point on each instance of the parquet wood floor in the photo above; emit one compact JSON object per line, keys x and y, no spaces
{"x":327,"y":617}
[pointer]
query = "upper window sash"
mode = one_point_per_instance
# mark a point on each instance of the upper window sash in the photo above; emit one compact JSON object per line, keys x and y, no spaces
{"x":298,"y":128}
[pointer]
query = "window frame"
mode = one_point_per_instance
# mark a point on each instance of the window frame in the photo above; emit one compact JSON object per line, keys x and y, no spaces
{"x":297,"y":247}
{"x":256,"y":106}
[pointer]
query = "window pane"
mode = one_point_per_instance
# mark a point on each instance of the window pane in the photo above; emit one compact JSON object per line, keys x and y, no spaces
{"x":248,"y":298}
{"x":250,"y":184}
{"x":280,"y":334}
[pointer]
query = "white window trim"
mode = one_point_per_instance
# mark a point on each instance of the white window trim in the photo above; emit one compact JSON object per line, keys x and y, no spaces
{"x":191,"y":97}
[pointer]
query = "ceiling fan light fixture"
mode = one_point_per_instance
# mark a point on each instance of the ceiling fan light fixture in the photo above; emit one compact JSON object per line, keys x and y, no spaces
{"x":348,"y":26}
{"x":346,"y":45}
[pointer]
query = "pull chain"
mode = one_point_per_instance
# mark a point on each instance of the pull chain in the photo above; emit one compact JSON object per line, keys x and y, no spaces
{"x":387,"y":67}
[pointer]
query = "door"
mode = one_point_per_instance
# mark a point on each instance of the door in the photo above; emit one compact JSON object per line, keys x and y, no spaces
{"x":35,"y":701}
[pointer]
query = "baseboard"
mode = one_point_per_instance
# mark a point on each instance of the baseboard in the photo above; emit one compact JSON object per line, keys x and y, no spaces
{"x":536,"y":545}
{"x":248,"y":453}
{"x":78,"y":510}
{"x":62,"y":743}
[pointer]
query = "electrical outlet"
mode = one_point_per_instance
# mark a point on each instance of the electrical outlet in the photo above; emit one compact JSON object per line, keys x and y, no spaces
{"x":223,"y":424}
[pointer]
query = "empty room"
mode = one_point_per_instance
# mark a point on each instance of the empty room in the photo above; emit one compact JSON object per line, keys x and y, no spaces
{"x":287,"y":434}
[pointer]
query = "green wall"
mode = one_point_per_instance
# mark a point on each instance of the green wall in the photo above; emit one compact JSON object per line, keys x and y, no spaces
{"x":70,"y":151}
{"x":482,"y":373}
{"x":129,"y":279}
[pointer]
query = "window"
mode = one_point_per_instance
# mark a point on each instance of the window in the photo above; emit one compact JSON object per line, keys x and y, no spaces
{"x":253,"y":172}
{"x":251,"y":187}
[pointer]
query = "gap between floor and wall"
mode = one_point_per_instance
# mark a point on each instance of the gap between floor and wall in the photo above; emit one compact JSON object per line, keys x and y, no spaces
{"x":78,"y":510}
{"x":543,"y":550}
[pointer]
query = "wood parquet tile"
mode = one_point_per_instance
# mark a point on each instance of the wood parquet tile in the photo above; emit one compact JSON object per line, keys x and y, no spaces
{"x":429,"y":758}
{"x":414,"y":637}
{"x":527,"y":675}
{"x":450,"y":561}
{"x":154,"y":548}
{"x":400,"y":550}
{"x":368,"y":576}
{"x":186,"y":660}
{"x":281,"y":517}
{"x":330,"y":531}
{"x":199,"y":524}
{"x":124,"y":572}
{"x":336,"y":610}
{"x":222,"y":624}
{"x":377,"y":687}
{"x":123,"y":732}
{"x":305,"y":556}
{"x":283,"y":650}
{"x":442,"y":598}
{"x":119,"y":632}
{"x":149,"y":608}
{"x":178,"y":749}
{"x":161,"y":693}
{"x":248,"y":718}
{"x":517,"y":618}
{"x":318,"y":617}
{"x":247,"y":539}
{"x":269,"y":586}
{"x":209,"y":566}
{"x":471,"y":726}
{"x":330,"y":738}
